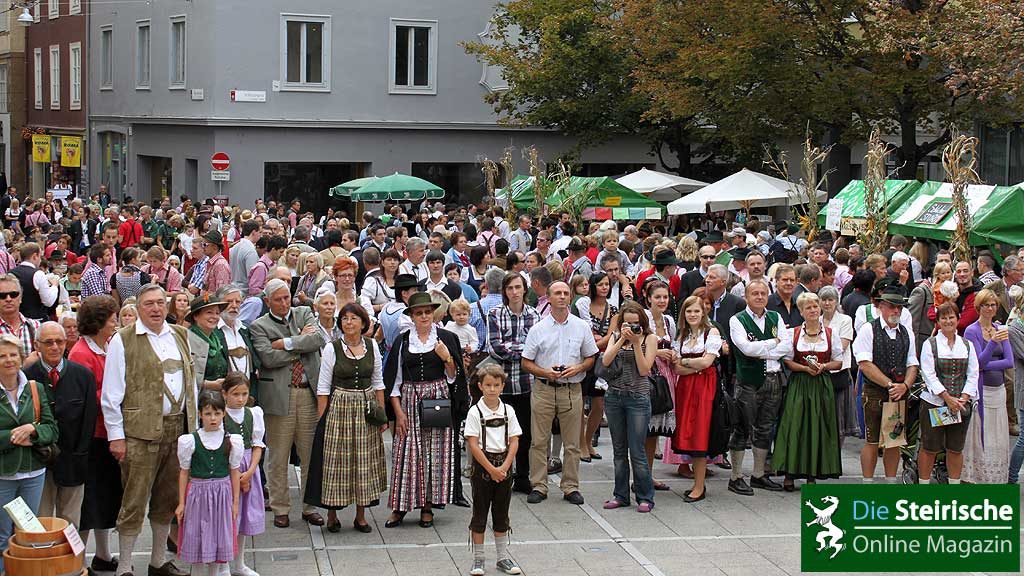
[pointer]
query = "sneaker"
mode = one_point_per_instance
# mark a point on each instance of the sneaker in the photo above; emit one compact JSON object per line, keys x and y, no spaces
{"x":509,"y":566}
{"x":554,"y":466}
{"x":478,"y":568}
{"x":740,"y":486}
{"x":536,"y":497}
{"x":765,"y":483}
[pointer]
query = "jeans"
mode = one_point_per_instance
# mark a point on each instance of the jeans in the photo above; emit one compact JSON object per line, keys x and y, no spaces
{"x":31,"y":491}
{"x":629,"y":416}
{"x":1017,"y":454}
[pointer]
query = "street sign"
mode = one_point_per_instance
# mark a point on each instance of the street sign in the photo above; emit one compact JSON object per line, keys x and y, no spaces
{"x":220,"y":175}
{"x":220,"y":161}
{"x":248,"y":95}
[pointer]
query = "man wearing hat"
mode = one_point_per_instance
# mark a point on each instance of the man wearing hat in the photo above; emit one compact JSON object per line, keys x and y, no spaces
{"x":218,"y":271}
{"x":886,"y":356}
{"x":288,"y":346}
{"x":716,"y":240}
{"x":392,"y":317}
{"x":207,"y":341}
{"x":665,"y":266}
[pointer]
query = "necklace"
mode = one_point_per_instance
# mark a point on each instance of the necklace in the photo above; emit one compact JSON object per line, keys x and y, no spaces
{"x":812,"y":335}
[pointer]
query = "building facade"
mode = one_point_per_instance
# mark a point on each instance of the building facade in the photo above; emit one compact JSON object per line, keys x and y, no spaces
{"x":13,"y":165}
{"x":56,"y":58}
{"x":301,"y":96}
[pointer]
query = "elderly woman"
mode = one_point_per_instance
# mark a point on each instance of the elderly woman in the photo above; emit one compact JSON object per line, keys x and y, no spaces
{"x":22,"y":473}
{"x":344,"y":272}
{"x":325,"y":304}
{"x":69,"y":322}
{"x":807,"y":443}
{"x":986,"y":455}
{"x":310,"y":282}
{"x":128,"y":315}
{"x":347,"y":466}
{"x":845,"y":393}
{"x":423,"y":369}
{"x":207,"y":342}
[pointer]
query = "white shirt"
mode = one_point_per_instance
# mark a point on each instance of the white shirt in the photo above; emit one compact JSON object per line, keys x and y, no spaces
{"x":552,"y":343}
{"x":233,"y":336}
{"x":495,"y":436}
{"x":466,"y":333}
{"x":438,"y":286}
{"x":861,"y":317}
{"x":768,"y":350}
{"x":211,"y":441}
{"x":713,"y":345}
{"x":22,"y":384}
{"x":420,"y":271}
{"x":864,"y":345}
{"x":961,"y":349}
{"x":834,"y":347}
{"x":842,"y":326}
{"x":165,"y":347}
{"x":327,"y":360}
{"x":416,"y":346}
{"x":47,"y":293}
{"x":259,"y":428}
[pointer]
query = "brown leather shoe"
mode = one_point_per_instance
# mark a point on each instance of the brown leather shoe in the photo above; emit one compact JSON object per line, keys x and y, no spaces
{"x":314,"y":518}
{"x":282,"y":521}
{"x":168,"y":569}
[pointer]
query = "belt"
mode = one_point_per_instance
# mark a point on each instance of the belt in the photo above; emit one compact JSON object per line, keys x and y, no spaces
{"x":299,"y":385}
{"x":554,"y":383}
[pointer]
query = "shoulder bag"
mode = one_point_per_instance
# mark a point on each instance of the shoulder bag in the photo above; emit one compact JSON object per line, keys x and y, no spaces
{"x":435,"y":413}
{"x":48,"y":453}
{"x":661,"y":396}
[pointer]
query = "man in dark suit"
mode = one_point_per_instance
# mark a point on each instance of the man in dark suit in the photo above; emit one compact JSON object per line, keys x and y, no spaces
{"x":809,"y":278}
{"x":5,"y":200}
{"x":784,"y":299}
{"x":695,"y":278}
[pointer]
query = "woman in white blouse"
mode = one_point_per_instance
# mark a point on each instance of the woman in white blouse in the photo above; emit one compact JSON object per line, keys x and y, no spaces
{"x":807,"y":443}
{"x":379,"y":285}
{"x":846,"y":395}
{"x":347,"y":465}
{"x":949,"y":367}
{"x":656,"y":295}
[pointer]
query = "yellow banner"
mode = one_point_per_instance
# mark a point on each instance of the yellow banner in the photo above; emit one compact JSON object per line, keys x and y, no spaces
{"x":40,"y":148}
{"x":613,"y":201}
{"x":71,"y":151}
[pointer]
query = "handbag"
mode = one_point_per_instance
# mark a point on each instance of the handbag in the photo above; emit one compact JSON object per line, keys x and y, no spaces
{"x":661,"y":396}
{"x":47,"y":453}
{"x":435,"y":413}
{"x":894,"y":425}
{"x":375,"y":413}
{"x":840,"y":380}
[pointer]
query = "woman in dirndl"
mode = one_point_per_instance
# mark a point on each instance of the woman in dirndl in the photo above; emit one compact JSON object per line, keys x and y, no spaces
{"x":807,"y":442}
{"x":698,"y":347}
{"x":347,"y":465}
{"x":658,"y":298}
{"x":421,"y":367}
{"x":842,"y":381}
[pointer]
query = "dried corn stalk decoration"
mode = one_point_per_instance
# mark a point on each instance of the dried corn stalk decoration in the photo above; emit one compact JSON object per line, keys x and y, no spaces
{"x":506,"y":164}
{"x":959,"y":159}
{"x":572,"y":201}
{"x":804,"y":193}
{"x":490,"y":170}
{"x":538,"y":180}
{"x":872,"y":236}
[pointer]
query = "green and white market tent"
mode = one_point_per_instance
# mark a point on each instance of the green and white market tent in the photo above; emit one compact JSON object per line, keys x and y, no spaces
{"x":854,"y":211}
{"x":997,"y":214}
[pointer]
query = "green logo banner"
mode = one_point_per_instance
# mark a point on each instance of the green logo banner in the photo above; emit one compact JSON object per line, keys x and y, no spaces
{"x":917,"y":528}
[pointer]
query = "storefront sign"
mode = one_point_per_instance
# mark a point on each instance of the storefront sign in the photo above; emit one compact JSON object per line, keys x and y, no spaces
{"x":40,"y":148}
{"x":834,"y":216}
{"x":934,"y":213}
{"x":71,"y":151}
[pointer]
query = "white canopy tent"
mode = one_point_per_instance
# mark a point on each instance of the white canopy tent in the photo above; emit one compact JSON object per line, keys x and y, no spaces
{"x":745,"y":189}
{"x":659,"y":185}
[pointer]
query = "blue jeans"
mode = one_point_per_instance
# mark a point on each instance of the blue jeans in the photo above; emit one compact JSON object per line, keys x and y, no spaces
{"x":629,"y":416}
{"x":30,"y":490}
{"x":1017,"y":454}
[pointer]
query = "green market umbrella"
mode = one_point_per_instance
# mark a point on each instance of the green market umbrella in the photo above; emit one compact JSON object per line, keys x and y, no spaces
{"x":347,"y":188}
{"x":397,"y":187}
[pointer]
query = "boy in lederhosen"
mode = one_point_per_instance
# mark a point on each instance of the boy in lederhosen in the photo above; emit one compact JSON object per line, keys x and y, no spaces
{"x":492,"y":435}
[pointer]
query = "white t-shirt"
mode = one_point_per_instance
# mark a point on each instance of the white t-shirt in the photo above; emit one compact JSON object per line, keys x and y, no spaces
{"x":496,"y":435}
{"x":466,"y":333}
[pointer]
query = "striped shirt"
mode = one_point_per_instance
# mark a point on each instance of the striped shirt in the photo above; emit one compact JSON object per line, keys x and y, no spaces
{"x":506,"y":337}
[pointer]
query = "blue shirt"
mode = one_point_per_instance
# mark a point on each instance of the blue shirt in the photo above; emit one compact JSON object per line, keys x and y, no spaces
{"x":478,"y":321}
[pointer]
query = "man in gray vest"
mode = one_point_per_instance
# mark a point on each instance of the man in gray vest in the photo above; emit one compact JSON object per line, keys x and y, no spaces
{"x":760,"y":339}
{"x":887,"y":358}
{"x":288,"y":346}
{"x":148,"y":399}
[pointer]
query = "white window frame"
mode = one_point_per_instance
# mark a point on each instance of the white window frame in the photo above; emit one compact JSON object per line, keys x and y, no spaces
{"x":75,"y":7}
{"x":37,"y":80}
{"x":75,"y":76}
{"x":55,"y":77}
{"x":325,"y":62}
{"x":143,"y":60}
{"x":172,"y":83}
{"x":107,"y":58}
{"x":36,"y":10}
{"x":431,"y":87}
{"x":52,"y":9}
{"x":3,"y":88}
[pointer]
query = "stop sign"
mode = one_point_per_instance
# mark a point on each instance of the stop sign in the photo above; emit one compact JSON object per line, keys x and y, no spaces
{"x":220,"y":161}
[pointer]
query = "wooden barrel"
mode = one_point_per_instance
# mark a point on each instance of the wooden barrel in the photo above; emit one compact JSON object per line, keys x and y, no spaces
{"x":53,"y":535}
{"x":19,"y":551}
{"x":66,"y":565}
{"x":42,"y":553}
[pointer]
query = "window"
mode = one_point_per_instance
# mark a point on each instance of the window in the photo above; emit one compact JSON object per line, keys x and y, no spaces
{"x":75,"y":7}
{"x":75,"y":76}
{"x":177,"y":52}
{"x":37,"y":71}
{"x":413,"y":64}
{"x":3,"y":88}
{"x":5,"y":21}
{"x":142,"y":56}
{"x":35,"y":11}
{"x":55,"y":77}
{"x":107,"y":58}
{"x":53,"y":8}
{"x":306,"y":52}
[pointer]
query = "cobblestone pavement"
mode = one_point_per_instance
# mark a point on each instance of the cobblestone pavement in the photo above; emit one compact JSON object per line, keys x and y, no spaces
{"x":726,"y":534}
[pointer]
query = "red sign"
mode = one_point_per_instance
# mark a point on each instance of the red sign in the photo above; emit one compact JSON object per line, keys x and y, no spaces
{"x":220,"y":161}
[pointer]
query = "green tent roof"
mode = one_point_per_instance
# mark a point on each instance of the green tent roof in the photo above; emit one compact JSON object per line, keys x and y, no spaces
{"x":852,"y":196}
{"x":606,"y":193}
{"x":995,"y":214}
{"x":397,"y":187}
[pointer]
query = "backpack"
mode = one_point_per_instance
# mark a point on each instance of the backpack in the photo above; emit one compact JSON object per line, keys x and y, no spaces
{"x":778,"y":252}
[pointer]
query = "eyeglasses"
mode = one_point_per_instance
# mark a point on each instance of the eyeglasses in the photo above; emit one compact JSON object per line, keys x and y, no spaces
{"x":707,"y":257}
{"x":9,"y":295}
{"x":53,"y":342}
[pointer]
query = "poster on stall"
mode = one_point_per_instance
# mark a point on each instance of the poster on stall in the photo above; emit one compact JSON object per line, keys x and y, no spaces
{"x":40,"y":148}
{"x":71,"y":151}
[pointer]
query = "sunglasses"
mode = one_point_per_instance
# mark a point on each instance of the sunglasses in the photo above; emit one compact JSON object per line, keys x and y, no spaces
{"x":9,"y":295}
{"x":708,"y":257}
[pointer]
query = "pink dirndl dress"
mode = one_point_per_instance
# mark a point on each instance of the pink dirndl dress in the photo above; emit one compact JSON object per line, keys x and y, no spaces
{"x":207,"y":534}
{"x":251,"y":518}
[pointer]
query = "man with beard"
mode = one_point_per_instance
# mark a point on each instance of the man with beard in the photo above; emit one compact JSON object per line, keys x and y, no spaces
{"x":963,"y":275}
{"x":240,"y":355}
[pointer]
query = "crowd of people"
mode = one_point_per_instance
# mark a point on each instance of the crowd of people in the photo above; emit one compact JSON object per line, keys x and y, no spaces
{"x":191,"y":353}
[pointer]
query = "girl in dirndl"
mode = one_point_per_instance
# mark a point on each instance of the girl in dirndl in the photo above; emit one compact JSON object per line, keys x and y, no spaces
{"x":658,"y":299}
{"x":247,"y":423}
{"x":208,"y":489}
